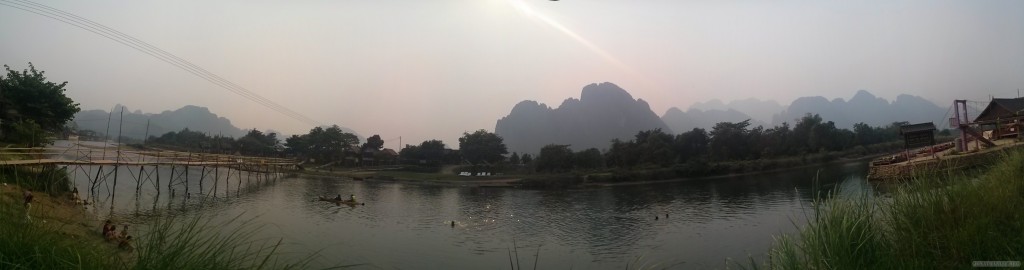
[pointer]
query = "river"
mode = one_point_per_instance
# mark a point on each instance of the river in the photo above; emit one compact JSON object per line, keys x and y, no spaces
{"x":687,"y":224}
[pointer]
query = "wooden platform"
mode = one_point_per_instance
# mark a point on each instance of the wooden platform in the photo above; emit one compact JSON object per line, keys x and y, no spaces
{"x":940,"y":162}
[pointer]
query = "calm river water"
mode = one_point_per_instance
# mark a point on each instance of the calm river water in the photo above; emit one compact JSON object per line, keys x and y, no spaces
{"x":701,"y":223}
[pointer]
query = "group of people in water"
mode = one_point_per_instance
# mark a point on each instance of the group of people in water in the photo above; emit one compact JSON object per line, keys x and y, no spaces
{"x":351,"y":198}
{"x":124,"y":241}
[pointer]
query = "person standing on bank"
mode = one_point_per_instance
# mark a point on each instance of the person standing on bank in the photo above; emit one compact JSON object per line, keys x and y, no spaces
{"x":28,"y":202}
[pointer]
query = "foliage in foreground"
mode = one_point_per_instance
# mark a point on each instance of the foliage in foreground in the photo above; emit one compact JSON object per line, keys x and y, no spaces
{"x":45,"y":178}
{"x":929,"y":223}
{"x":198,"y":243}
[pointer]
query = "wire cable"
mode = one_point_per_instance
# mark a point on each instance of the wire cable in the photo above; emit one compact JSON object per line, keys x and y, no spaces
{"x":160,"y":54}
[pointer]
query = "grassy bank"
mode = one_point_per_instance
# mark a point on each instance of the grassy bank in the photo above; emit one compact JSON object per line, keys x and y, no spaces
{"x":61,"y":235}
{"x":36,"y":244}
{"x":932,"y":222}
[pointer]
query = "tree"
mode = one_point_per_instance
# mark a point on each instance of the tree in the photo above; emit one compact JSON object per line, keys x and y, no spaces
{"x":373,"y":142}
{"x":430,"y":151}
{"x":256,"y":142}
{"x":297,"y":144}
{"x":27,"y":95}
{"x":729,"y":140}
{"x":622,"y":154}
{"x":482,"y":147}
{"x":655,"y":147}
{"x":324,"y":145}
{"x":514,"y":159}
{"x":691,"y":144}
{"x":555,"y":158}
{"x":527,"y":158}
{"x":588,"y":159}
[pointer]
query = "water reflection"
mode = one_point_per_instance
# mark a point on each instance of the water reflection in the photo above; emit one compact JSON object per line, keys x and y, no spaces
{"x":405,"y":225}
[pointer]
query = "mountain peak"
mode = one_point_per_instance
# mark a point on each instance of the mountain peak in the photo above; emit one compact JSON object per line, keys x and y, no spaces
{"x":529,"y":105}
{"x":602,"y":113}
{"x":863,"y":94}
{"x":672,"y":110}
{"x":604,"y":91}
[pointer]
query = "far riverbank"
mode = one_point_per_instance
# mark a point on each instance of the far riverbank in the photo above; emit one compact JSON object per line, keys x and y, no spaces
{"x":604,"y":178}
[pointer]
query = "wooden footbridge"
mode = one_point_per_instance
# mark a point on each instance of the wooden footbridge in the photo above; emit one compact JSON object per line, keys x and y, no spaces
{"x":155,"y":169}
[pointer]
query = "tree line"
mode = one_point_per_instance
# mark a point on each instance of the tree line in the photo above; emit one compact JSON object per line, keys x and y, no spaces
{"x":727,"y":141}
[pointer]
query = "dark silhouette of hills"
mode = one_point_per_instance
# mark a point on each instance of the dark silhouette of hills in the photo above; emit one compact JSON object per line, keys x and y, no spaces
{"x":604,"y":112}
{"x":864,"y":107}
{"x":681,"y":121}
{"x":134,"y":126}
{"x":758,"y":110}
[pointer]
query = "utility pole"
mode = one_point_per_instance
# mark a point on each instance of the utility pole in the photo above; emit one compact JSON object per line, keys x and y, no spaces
{"x":113,"y":191}
{"x":106,"y":135}
{"x":146,"y":138}
{"x":120,"y":125}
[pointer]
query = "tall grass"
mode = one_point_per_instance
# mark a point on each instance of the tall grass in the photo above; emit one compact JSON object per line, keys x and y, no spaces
{"x":199,"y":243}
{"x":42,"y":178}
{"x":928,"y":223}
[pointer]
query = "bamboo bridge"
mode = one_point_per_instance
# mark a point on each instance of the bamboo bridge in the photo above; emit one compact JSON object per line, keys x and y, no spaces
{"x":154,"y":170}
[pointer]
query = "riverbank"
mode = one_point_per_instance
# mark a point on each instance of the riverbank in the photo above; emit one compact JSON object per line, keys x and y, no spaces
{"x":58,"y":236}
{"x":419,"y":178}
{"x":933,"y":222}
{"x":596,"y":179}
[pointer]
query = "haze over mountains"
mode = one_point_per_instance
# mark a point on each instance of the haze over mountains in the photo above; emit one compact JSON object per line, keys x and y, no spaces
{"x":606,"y":111}
{"x":864,"y":107}
{"x":758,"y":110}
{"x":680,"y":121}
{"x":134,"y":126}
{"x":603,"y":112}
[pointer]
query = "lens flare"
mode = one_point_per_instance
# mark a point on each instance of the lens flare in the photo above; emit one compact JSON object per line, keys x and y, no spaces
{"x":532,"y":13}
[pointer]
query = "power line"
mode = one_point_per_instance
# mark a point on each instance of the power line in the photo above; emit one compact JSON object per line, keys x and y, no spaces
{"x":134,"y":43}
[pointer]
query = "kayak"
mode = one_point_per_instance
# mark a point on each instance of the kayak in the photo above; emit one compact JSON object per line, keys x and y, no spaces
{"x":348,"y":202}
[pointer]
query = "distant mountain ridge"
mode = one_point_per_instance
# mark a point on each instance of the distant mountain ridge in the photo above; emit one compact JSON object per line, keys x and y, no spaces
{"x":604,"y":112}
{"x":134,"y":125}
{"x":757,"y":110}
{"x":864,"y":107}
{"x":680,"y":121}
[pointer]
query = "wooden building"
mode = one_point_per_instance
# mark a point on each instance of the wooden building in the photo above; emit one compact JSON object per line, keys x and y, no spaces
{"x":918,"y":135}
{"x":1002,"y":118}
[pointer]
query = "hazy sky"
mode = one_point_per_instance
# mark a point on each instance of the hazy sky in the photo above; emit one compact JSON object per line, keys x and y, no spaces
{"x":434,"y":69}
